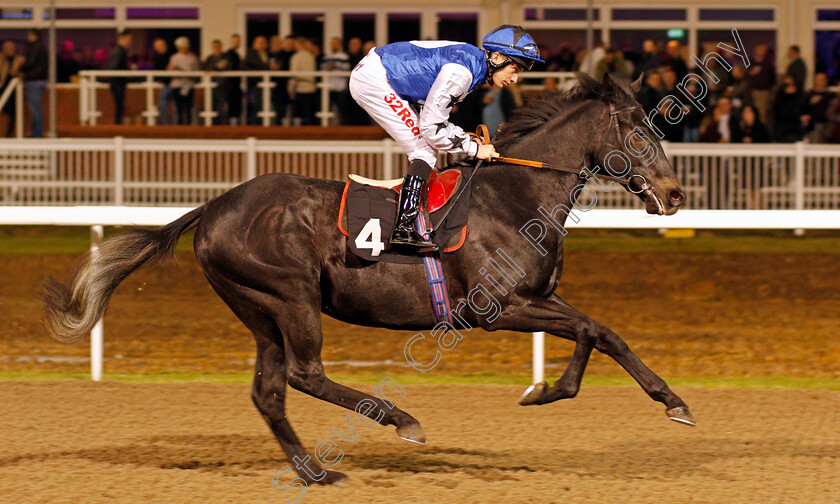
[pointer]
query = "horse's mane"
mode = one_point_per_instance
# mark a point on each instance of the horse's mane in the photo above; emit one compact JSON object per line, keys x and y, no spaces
{"x":538,"y":111}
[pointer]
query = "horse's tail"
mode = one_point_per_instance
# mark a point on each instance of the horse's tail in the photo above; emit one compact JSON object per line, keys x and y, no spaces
{"x":70,"y":313}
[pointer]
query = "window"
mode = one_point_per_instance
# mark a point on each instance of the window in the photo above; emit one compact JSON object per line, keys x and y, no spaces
{"x":560,"y":14}
{"x":15,"y":13}
{"x":828,"y":15}
{"x":309,"y":25}
{"x":162,"y":13}
{"x":261,"y":24}
{"x":362,"y":26}
{"x":403,"y":26}
{"x":649,"y":15}
{"x":737,"y":15}
{"x":458,"y":26}
{"x":95,"y":14}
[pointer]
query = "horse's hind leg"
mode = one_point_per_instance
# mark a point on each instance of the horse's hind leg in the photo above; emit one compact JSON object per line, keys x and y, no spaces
{"x":269,"y":388}
{"x":300,"y":322}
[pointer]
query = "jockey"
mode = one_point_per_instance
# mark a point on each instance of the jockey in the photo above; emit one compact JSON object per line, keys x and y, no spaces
{"x":392,"y":80}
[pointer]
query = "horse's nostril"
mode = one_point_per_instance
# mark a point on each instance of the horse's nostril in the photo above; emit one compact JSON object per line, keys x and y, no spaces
{"x":677,"y":197}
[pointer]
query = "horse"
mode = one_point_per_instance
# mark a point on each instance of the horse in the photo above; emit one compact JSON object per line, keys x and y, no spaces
{"x":271,"y":249}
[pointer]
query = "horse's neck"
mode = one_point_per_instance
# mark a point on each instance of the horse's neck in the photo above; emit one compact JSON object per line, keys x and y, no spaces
{"x":564,"y":142}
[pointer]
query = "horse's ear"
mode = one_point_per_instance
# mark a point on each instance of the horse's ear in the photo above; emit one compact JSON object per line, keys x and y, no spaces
{"x":636,"y":85}
{"x":609,"y":84}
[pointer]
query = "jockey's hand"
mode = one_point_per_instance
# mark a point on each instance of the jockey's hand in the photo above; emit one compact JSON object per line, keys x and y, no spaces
{"x":486,"y":152}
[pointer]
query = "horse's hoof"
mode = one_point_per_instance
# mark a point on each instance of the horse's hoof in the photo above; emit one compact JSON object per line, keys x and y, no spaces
{"x":412,"y":432}
{"x":682,"y":415}
{"x":533,"y":394}
{"x":333,"y":478}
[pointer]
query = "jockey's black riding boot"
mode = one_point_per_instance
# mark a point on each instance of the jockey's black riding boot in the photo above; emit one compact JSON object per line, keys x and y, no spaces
{"x":409,"y":208}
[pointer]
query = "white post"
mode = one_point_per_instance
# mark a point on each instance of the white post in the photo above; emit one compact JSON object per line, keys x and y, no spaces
{"x":799,"y":180}
{"x":19,"y":110}
{"x":93,"y":114}
{"x":538,"y":356}
{"x":326,"y":112}
{"x":251,"y":158}
{"x":387,"y":159}
{"x":266,"y":112}
{"x":151,"y":107}
{"x":119,"y":169}
{"x":97,"y":334}
{"x":83,"y":98}
{"x":208,"y":113}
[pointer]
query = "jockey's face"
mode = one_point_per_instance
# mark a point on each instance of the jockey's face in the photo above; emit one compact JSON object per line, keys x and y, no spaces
{"x":508,"y":74}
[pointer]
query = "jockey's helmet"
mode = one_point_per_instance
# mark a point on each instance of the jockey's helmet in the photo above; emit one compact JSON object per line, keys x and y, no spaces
{"x":513,"y":42}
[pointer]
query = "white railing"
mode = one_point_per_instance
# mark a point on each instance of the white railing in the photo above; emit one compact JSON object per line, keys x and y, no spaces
{"x":96,"y":217}
{"x":152,"y":172}
{"x":14,"y":86}
{"x":92,"y":80}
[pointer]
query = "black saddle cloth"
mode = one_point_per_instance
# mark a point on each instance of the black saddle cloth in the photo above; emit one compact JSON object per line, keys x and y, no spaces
{"x":371,"y":214}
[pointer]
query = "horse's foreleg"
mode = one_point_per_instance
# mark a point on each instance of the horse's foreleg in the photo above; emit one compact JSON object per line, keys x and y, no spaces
{"x":558,"y":318}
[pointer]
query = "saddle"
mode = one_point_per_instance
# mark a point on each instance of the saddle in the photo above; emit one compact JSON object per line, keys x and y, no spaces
{"x":368,"y":210}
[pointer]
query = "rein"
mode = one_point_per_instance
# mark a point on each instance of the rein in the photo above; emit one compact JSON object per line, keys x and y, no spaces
{"x":584,"y":174}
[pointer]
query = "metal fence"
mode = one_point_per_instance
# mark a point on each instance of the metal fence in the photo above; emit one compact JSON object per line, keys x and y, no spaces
{"x":153,"y":172}
{"x":92,"y":80}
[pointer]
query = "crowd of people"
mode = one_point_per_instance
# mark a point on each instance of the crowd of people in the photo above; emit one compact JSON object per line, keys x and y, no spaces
{"x":746,"y":104}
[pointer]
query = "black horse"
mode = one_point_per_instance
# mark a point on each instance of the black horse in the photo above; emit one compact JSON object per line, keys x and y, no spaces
{"x":271,"y":249}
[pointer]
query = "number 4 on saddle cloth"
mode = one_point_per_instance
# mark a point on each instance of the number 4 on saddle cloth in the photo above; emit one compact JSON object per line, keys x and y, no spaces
{"x":368,"y":212}
{"x":367,"y":217}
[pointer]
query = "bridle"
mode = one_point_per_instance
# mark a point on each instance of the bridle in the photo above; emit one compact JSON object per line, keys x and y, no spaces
{"x":585,"y":174}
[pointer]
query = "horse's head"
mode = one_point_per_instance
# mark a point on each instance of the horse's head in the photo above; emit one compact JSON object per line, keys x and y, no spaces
{"x":627,"y":147}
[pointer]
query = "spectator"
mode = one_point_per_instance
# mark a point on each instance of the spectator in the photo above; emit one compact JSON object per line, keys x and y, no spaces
{"x":279,"y":60}
{"x":651,"y":60}
{"x":499,"y":104}
{"x":815,"y":110}
{"x":33,"y":66}
{"x":796,"y":67}
{"x":723,"y":79}
{"x":651,"y":92}
{"x":337,"y":60}
{"x":833,"y":116}
{"x":217,"y":62}
{"x":749,"y":128}
{"x":763,"y":78}
{"x":354,"y":51}
{"x":233,"y":85}
{"x":672,"y":132}
{"x":719,"y":125}
{"x":9,"y":63}
{"x":674,"y":59}
{"x":160,"y":61}
{"x":612,"y":63}
{"x":694,"y":116}
{"x":564,"y":60}
{"x":787,"y":110}
{"x":118,"y":60}
{"x":66,"y":66}
{"x":588,"y":61}
{"x":185,"y":61}
{"x":256,"y":60}
{"x":302,"y":89}
{"x":354,"y":114}
{"x":740,"y":87}
{"x":369,"y":45}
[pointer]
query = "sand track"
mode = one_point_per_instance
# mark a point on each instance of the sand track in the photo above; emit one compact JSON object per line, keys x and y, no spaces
{"x":74,"y":441}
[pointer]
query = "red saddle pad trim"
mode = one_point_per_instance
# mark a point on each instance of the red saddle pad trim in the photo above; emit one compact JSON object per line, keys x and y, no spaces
{"x":341,"y":210}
